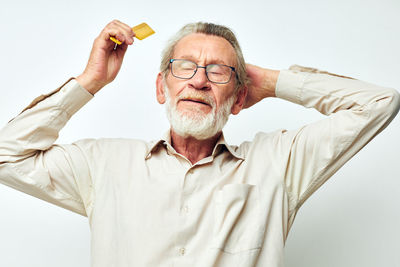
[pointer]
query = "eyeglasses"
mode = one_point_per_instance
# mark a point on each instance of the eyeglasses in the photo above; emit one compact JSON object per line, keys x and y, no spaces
{"x":186,"y":69}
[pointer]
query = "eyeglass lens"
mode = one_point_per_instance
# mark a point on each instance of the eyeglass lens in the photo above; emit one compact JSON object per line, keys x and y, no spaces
{"x":186,"y":69}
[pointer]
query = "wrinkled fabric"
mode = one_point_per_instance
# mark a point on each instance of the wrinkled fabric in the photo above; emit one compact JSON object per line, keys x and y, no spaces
{"x":147,"y":205}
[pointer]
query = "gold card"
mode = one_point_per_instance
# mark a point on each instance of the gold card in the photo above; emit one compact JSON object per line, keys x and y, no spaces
{"x":143,"y":31}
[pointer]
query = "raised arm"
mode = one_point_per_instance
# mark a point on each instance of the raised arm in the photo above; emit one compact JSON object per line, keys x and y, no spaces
{"x":306,"y":157}
{"x":29,"y":161}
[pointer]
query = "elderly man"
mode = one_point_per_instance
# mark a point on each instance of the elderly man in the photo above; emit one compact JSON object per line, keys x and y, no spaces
{"x":189,"y":198}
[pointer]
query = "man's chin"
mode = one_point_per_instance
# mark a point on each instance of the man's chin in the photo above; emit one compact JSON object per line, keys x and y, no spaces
{"x":198,"y":126}
{"x":196,"y":116}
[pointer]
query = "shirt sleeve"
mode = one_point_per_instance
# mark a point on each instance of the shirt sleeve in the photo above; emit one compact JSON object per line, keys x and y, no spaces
{"x":357,"y":111}
{"x":29,"y":161}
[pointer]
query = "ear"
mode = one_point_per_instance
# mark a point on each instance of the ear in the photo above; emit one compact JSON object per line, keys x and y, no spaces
{"x":239,"y":103}
{"x":160,"y":91}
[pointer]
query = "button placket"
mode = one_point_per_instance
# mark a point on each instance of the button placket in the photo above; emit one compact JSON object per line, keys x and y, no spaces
{"x":185,"y":206}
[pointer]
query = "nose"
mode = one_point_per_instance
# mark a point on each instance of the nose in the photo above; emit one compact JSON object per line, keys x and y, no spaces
{"x":200,"y":81}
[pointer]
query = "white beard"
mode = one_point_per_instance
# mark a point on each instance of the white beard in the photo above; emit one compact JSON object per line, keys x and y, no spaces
{"x":195,"y":122}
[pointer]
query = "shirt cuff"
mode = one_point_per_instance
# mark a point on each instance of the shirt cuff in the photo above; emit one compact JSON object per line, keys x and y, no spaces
{"x":290,"y":85}
{"x":72,"y":96}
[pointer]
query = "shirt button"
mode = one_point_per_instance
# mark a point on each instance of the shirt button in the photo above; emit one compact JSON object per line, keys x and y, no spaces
{"x":182,"y":251}
{"x":186,"y":209}
{"x":191,"y":171}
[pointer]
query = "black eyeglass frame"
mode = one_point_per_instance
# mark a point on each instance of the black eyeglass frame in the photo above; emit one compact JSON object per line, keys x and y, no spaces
{"x":202,"y":67}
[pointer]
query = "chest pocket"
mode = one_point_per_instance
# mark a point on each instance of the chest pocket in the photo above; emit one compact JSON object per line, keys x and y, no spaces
{"x":238,"y":226}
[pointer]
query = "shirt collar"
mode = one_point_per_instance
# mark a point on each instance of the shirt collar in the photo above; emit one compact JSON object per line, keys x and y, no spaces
{"x":219,"y":146}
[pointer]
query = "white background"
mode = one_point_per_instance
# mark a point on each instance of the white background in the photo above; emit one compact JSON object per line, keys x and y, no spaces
{"x":353,"y":220}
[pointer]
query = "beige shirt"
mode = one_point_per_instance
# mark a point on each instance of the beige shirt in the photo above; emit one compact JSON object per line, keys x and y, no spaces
{"x":149,"y":206}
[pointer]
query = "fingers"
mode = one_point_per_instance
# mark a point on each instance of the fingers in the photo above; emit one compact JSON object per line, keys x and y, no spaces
{"x":119,"y":30}
{"x":105,"y":57}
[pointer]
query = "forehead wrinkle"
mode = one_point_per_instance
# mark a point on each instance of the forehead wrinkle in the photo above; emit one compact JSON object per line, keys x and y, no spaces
{"x":205,"y":49}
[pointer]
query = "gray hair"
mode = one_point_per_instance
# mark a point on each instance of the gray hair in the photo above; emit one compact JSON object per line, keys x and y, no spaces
{"x":209,"y":29}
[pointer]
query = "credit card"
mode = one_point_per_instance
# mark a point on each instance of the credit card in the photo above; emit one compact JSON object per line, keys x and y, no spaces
{"x":142,"y":31}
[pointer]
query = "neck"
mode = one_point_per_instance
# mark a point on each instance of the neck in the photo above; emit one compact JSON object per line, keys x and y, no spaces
{"x":194,"y":150}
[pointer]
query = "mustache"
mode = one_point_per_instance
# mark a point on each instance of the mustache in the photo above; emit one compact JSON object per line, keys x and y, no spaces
{"x":197,"y":96}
